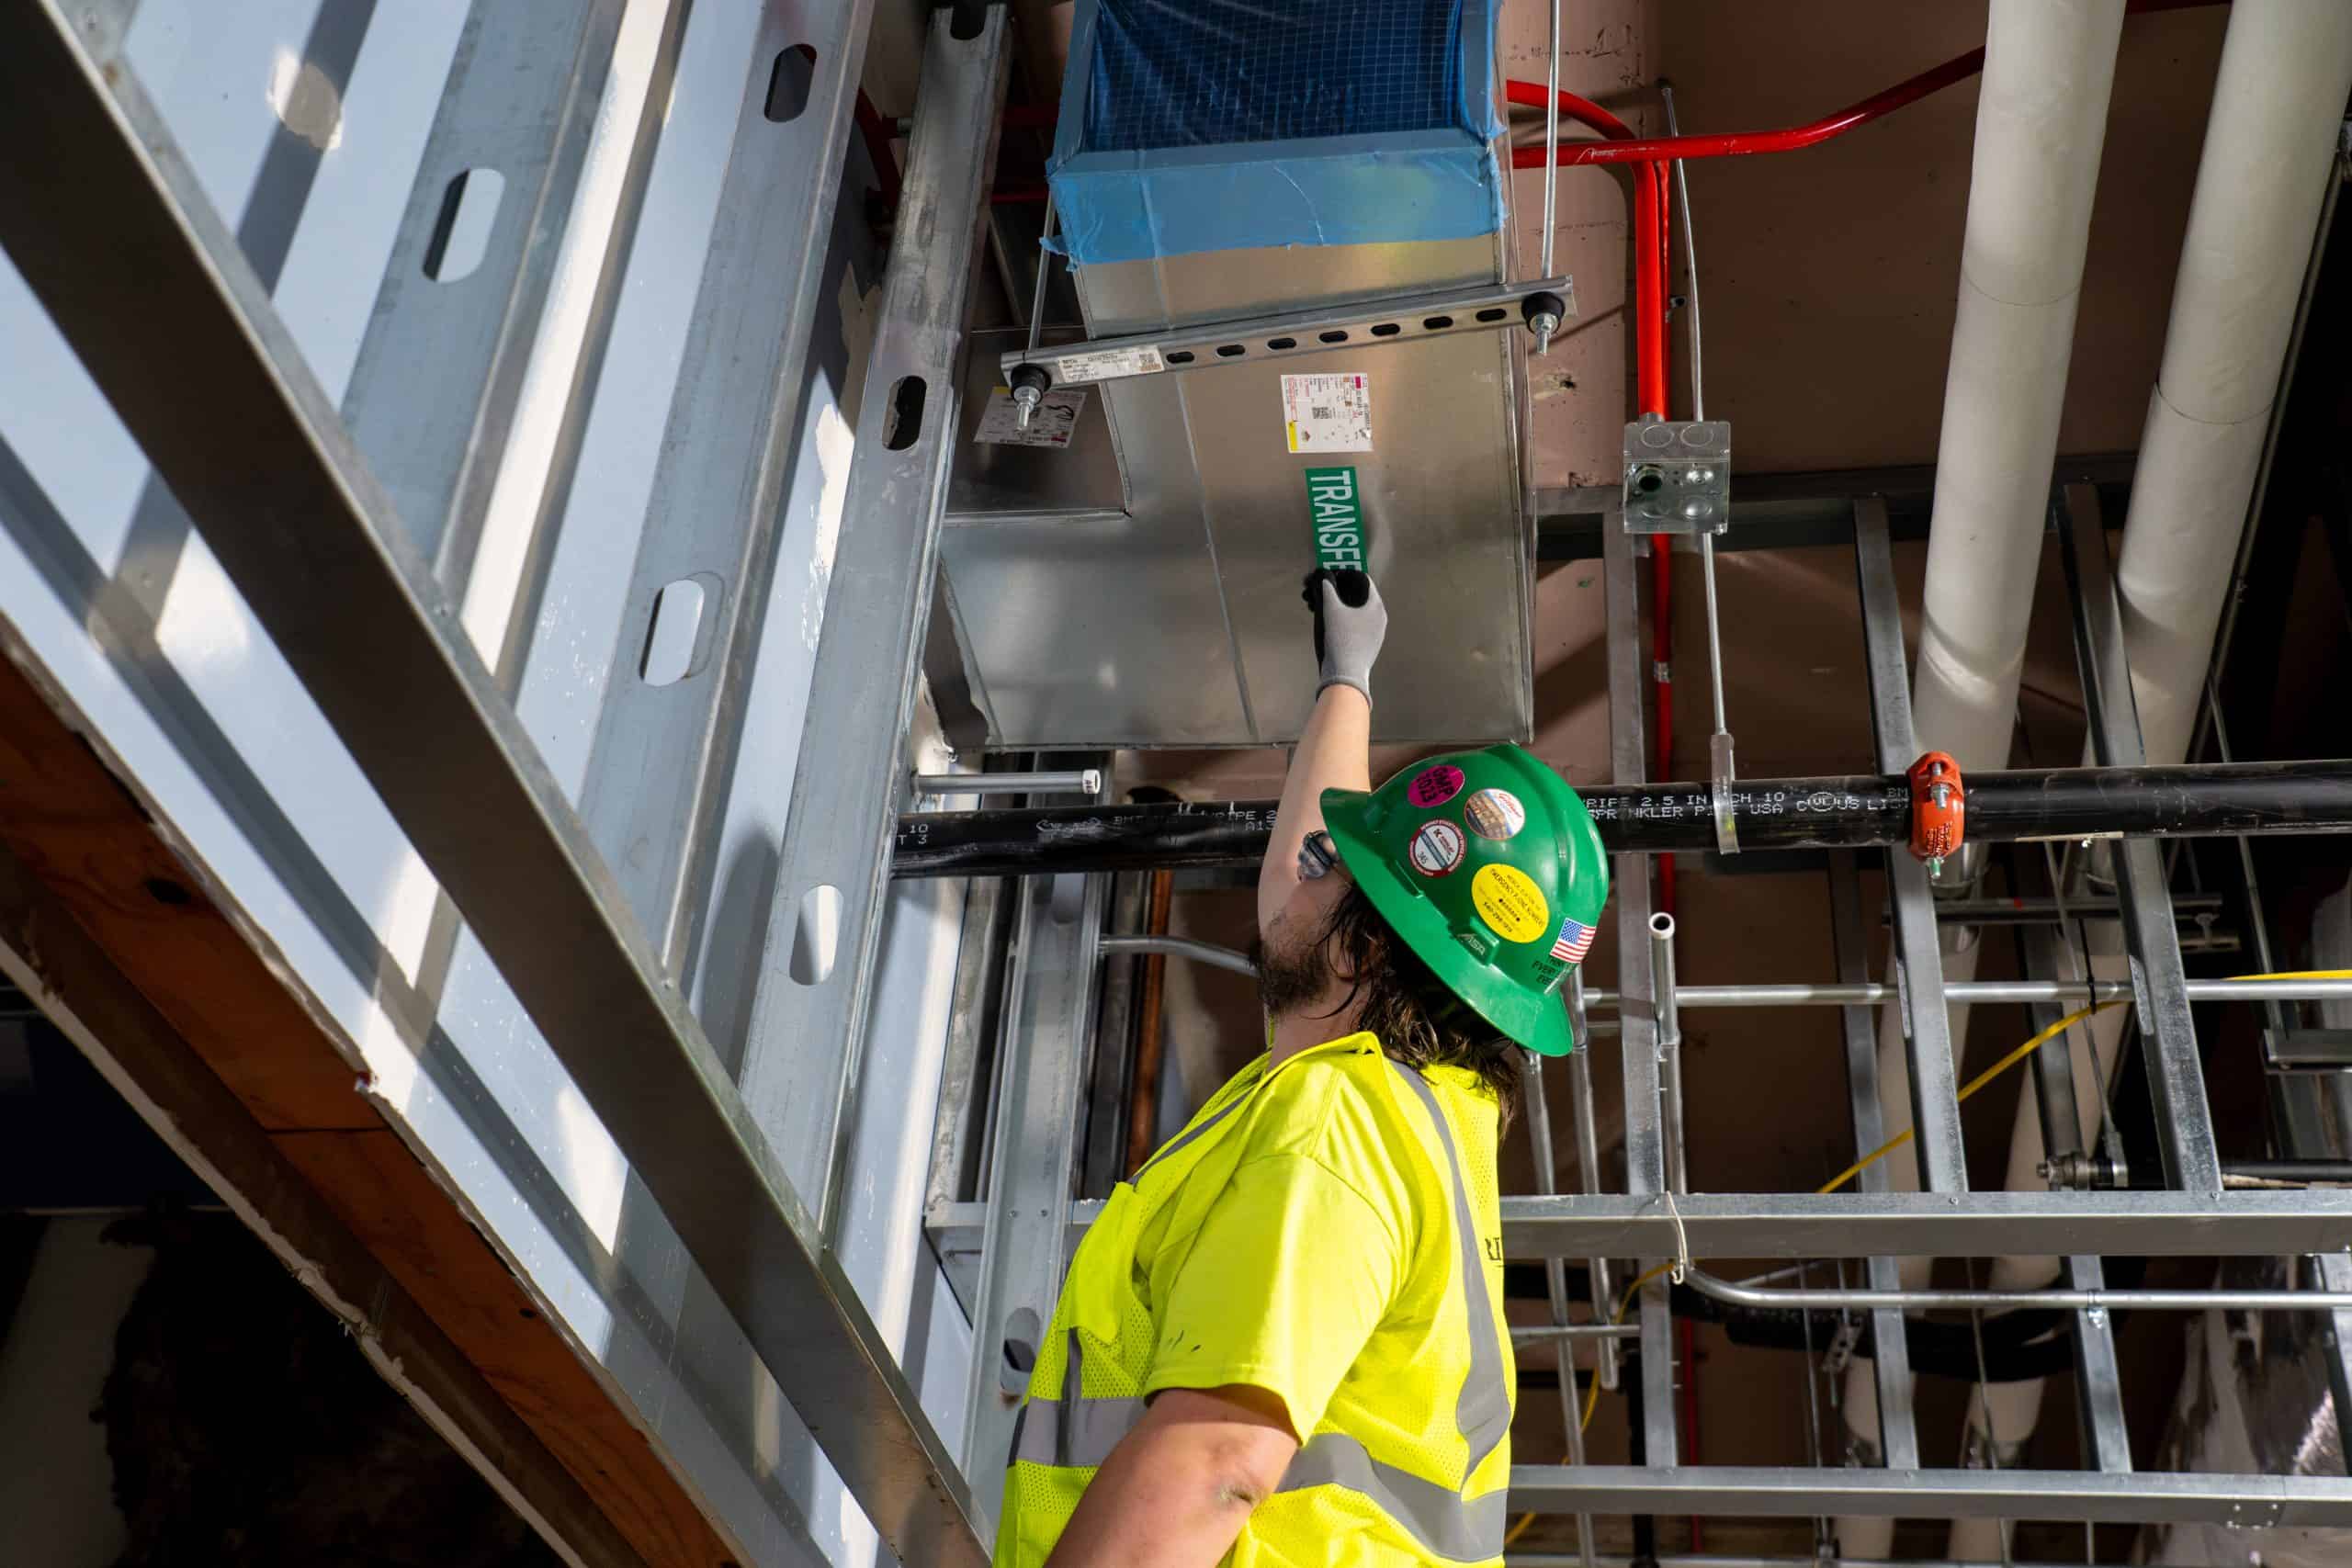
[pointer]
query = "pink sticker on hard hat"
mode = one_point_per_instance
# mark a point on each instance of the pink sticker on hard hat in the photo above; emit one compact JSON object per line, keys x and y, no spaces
{"x":1435,"y":786}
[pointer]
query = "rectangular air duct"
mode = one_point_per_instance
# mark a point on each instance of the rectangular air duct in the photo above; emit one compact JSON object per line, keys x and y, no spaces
{"x":1141,"y":587}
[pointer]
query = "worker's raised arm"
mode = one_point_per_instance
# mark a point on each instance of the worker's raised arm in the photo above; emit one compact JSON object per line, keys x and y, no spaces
{"x":1335,"y":751}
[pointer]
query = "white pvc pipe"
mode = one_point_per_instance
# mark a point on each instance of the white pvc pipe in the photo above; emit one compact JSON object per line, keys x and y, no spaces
{"x":2041,"y":122}
{"x":2270,"y":140}
{"x":2270,"y":152}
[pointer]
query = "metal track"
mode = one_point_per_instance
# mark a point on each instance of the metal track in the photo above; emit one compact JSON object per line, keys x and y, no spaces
{"x":1293,"y":334}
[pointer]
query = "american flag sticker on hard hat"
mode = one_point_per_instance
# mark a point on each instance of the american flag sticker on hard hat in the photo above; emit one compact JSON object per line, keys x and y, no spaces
{"x":1575,"y":941}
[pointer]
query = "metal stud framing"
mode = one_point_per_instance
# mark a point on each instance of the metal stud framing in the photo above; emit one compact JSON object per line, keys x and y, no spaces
{"x":357,"y":604}
{"x":1891,"y":1364}
{"x":2185,"y":1143}
{"x":1927,"y":1024}
{"x":257,"y":452}
{"x":657,"y":777}
{"x":1636,"y":985}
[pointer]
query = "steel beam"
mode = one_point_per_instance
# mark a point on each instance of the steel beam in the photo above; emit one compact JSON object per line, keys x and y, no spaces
{"x":2184,"y":1141}
{"x":2099,"y":1377}
{"x":107,"y":223}
{"x":664,"y":756}
{"x":1636,"y":985}
{"x":1935,"y":1105}
{"x":1848,"y":1225}
{"x":1890,"y":1362}
{"x":2246,"y":1502}
{"x":1026,"y":1244}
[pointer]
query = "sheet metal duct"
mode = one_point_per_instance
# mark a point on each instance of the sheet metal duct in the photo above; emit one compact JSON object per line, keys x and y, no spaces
{"x":1141,"y":587}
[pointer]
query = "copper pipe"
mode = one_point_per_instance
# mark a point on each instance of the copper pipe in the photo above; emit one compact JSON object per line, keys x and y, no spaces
{"x":1143,"y":1100}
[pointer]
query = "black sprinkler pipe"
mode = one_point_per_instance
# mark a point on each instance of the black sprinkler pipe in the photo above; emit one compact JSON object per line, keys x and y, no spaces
{"x":1844,"y":811}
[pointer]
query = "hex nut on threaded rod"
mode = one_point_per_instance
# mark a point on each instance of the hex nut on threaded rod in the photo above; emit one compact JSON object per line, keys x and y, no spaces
{"x":1542,"y":311}
{"x":1030,"y":383}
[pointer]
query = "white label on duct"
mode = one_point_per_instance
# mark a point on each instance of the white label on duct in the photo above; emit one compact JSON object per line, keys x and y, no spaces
{"x":1328,"y":413}
{"x":1108,"y":364}
{"x":1052,"y":425}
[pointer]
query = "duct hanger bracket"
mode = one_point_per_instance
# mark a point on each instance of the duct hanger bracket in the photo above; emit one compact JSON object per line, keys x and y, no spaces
{"x":1295,"y":335}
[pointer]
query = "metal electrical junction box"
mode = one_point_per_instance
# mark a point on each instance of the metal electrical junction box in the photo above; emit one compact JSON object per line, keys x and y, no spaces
{"x":1678,"y":476}
{"x":1210,"y":169}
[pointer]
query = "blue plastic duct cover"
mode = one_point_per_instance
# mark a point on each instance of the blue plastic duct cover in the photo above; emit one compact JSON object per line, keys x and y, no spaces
{"x":1207,"y":125}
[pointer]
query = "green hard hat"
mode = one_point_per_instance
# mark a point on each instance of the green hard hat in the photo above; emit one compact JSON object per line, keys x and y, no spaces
{"x":1487,"y":865}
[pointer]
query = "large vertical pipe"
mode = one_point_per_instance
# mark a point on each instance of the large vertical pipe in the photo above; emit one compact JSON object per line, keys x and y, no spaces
{"x":2269,"y":149}
{"x":2270,"y":141}
{"x":2041,"y":121}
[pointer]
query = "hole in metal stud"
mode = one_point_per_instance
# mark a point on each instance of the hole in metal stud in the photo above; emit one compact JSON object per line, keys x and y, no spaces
{"x":461,"y":234}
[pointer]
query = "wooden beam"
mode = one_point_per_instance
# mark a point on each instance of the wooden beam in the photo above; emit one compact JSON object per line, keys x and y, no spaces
{"x":192,"y":1015}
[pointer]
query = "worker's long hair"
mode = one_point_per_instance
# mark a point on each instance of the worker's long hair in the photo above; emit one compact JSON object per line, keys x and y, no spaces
{"x":1418,"y":1019}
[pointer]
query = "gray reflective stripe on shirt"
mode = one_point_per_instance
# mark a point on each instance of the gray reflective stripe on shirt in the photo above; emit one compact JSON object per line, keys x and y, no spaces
{"x":1483,"y":1411}
{"x":1235,"y":1104}
{"x":1073,"y":1431}
{"x":1441,"y":1521}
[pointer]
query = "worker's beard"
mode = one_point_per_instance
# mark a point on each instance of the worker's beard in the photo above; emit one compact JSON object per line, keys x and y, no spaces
{"x":1294,"y":968}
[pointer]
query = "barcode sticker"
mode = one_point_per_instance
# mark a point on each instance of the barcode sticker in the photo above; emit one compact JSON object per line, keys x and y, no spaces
{"x":1107,"y":364}
{"x":1328,"y":413}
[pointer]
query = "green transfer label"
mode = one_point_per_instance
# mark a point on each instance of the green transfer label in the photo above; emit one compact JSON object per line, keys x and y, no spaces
{"x":1335,"y":504}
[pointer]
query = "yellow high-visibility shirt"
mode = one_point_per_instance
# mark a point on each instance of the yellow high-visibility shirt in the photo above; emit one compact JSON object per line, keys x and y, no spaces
{"x":1329,"y":1233}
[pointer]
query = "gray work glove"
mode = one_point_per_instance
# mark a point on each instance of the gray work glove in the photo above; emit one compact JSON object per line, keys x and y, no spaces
{"x":1350,"y":623}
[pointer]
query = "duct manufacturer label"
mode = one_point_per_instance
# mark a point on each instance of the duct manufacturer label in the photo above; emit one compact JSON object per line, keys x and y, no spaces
{"x":1052,"y":425}
{"x":1108,"y":364}
{"x":1328,"y":413}
{"x":1336,"y":503}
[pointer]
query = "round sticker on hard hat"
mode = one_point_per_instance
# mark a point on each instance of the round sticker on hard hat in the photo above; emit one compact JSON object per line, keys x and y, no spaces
{"x":1435,"y":786}
{"x":1494,"y":814}
{"x":1437,"y":848}
{"x":1508,"y":899}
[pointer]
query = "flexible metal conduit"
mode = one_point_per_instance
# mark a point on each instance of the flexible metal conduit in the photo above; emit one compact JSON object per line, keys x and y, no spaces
{"x":1184,"y":947}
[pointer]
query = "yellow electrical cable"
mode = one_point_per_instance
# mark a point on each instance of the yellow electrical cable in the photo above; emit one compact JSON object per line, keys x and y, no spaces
{"x":1592,"y":1392}
{"x":1979,"y":1081}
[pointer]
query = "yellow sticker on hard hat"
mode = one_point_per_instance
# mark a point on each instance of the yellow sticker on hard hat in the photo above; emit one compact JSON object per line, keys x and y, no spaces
{"x":1508,"y":899}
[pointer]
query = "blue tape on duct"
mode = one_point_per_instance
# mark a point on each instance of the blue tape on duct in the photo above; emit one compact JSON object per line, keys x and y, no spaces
{"x":1225,"y":124}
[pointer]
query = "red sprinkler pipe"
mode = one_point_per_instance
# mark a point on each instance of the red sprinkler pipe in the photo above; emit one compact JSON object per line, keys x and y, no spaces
{"x":1736,"y":144}
{"x":1651,"y":241}
{"x":1622,"y":149}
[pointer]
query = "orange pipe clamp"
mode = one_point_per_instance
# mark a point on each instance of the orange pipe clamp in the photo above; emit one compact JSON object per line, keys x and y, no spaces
{"x":1939,"y":806}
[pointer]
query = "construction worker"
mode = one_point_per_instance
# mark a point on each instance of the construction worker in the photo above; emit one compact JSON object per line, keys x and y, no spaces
{"x":1282,"y":1341}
